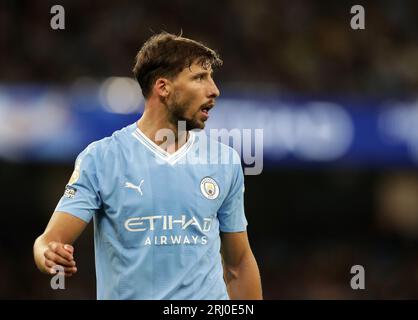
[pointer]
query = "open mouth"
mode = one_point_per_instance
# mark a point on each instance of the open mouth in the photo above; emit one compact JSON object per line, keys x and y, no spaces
{"x":205,"y":109}
{"x":205,"y":112}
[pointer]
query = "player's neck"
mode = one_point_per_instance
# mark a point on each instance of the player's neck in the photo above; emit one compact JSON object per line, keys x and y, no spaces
{"x":150,"y":125}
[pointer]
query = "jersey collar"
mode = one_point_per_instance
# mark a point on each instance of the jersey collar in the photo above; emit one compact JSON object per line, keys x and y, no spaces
{"x":170,"y":158}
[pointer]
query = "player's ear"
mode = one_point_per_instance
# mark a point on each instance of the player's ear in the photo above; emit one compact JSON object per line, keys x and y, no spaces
{"x":162,"y":87}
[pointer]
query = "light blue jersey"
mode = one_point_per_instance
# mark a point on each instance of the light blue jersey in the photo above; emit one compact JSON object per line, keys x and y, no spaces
{"x":157,"y":216}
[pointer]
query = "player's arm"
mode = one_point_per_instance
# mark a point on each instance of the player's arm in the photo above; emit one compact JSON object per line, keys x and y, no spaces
{"x":82,"y":199}
{"x":241,"y":272}
{"x":54,"y":246}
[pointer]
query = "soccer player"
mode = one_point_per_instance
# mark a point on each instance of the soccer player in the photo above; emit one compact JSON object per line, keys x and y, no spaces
{"x":164,"y":227}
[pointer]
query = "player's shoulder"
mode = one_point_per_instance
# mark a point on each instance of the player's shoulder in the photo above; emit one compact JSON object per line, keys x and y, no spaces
{"x":110,"y":144}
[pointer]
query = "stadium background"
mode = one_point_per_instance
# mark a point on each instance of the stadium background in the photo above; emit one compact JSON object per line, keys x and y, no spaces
{"x":339,"y":185}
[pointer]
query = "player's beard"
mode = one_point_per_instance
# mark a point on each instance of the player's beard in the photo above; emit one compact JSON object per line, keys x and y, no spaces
{"x":181,"y":111}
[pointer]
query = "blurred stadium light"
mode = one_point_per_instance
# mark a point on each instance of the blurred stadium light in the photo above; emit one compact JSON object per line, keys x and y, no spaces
{"x":399,"y":124}
{"x":121,"y":95}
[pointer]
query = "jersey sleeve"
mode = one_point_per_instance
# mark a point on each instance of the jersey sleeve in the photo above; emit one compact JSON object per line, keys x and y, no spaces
{"x":231,"y":214}
{"x":82,"y":197}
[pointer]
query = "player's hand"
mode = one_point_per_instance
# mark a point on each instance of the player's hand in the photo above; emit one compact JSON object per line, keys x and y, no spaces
{"x":62,"y":255}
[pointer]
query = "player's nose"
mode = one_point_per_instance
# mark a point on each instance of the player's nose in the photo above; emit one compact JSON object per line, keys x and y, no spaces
{"x":213,"y":90}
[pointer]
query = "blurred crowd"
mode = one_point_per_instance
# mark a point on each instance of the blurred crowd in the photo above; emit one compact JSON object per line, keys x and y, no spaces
{"x":299,"y":46}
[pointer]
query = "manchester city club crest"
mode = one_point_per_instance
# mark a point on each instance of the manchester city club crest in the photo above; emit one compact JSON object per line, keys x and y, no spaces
{"x":209,"y":188}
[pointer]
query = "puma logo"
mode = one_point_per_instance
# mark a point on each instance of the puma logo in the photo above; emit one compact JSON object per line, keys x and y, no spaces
{"x":135,"y":187}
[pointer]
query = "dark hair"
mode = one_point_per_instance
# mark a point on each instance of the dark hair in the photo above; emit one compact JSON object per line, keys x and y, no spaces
{"x":166,"y":55}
